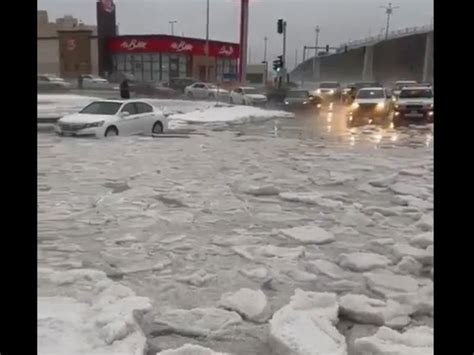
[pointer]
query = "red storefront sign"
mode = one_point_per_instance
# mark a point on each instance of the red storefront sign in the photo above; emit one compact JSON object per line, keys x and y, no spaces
{"x":174,"y":45}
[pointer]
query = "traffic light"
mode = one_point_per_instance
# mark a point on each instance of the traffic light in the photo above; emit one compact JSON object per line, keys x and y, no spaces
{"x":278,"y":64}
{"x":327,"y":48}
{"x":280,"y":26}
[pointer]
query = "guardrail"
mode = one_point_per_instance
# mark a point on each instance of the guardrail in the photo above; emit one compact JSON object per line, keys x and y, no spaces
{"x":381,"y":37}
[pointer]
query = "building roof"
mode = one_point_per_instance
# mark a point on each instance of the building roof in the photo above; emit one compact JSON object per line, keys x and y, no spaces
{"x":132,"y":36}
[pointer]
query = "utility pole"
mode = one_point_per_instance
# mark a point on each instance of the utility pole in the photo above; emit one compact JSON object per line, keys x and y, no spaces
{"x":316,"y":42}
{"x":265,"y":76}
{"x":172,"y":26}
{"x":389,"y":11}
{"x":284,"y":44}
{"x":244,"y":24}
{"x":207,"y":40}
{"x":304,"y":59}
{"x":265,"y":40}
{"x":296,"y":58}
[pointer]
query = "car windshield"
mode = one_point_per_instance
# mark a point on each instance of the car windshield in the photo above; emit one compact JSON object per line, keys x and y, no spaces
{"x":366,"y":85}
{"x":370,"y":94}
{"x":250,"y":91}
{"x":329,"y":85}
{"x":102,"y":108}
{"x":400,"y":86}
{"x":416,"y":94}
{"x":298,"y":94}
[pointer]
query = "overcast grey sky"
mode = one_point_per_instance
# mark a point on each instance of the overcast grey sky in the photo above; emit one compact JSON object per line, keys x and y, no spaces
{"x":340,"y":20}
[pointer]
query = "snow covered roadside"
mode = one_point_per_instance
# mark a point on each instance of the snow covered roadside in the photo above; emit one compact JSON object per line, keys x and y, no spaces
{"x":83,"y":312}
{"x":229,"y":115}
{"x":57,"y":105}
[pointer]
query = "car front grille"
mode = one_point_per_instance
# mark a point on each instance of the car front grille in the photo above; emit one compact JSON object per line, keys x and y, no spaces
{"x":367,"y":107}
{"x":414,"y":107}
{"x":71,"y":126}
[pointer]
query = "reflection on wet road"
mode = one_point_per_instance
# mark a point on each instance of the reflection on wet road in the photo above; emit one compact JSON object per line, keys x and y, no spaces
{"x":333,"y":128}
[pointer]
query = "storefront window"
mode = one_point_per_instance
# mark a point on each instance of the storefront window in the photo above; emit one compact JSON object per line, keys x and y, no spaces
{"x":138,"y":67}
{"x":147,"y":68}
{"x":225,"y":66}
{"x":183,"y":65}
{"x":156,"y":67}
{"x":165,"y":65}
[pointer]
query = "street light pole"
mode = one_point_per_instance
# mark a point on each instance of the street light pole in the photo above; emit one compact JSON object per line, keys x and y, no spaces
{"x":389,"y":11}
{"x":172,"y":26}
{"x":265,"y":77}
{"x":316,"y":41}
{"x":316,"y":51}
{"x":207,"y":40}
{"x":296,"y":58}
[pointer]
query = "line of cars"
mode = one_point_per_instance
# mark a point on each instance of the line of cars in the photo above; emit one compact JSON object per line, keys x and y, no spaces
{"x":376,"y":104}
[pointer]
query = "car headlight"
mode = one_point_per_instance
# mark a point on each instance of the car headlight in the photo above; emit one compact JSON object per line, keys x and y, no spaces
{"x":318,"y":106}
{"x":318,"y":91}
{"x":305,"y":102}
{"x":94,"y":124}
{"x":397,"y":107}
{"x":380,"y":105}
{"x":355,"y":106}
{"x":286,"y":102}
{"x":331,"y":92}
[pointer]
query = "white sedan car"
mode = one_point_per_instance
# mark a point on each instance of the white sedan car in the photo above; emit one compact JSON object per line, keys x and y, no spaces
{"x":92,"y":82}
{"x":113,"y":118}
{"x":201,"y":90}
{"x":247,"y":96}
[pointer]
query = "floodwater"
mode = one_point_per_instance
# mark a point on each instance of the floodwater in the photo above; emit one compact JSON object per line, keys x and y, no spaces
{"x":172,"y":218}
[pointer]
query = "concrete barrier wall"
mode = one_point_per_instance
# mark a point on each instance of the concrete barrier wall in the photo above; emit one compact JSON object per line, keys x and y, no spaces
{"x":399,"y":59}
{"x":395,"y":59}
{"x":343,"y":67}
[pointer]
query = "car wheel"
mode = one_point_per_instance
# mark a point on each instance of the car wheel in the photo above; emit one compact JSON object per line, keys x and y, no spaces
{"x":111,"y":132}
{"x":157,"y":128}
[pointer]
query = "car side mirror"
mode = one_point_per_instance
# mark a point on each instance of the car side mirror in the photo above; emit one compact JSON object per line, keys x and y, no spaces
{"x":124,"y":114}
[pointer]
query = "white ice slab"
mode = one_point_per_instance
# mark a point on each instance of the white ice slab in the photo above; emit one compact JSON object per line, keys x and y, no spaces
{"x":232,"y":115}
{"x":415,"y":341}
{"x":250,"y":304}
{"x":90,"y":315}
{"x":362,"y":309}
{"x":210,"y":322}
{"x":308,"y":234}
{"x":306,"y":326}
{"x":363,"y":261}
{"x":190,"y":349}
